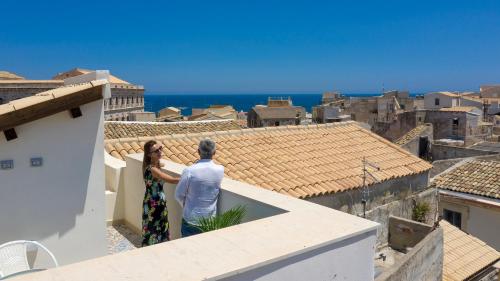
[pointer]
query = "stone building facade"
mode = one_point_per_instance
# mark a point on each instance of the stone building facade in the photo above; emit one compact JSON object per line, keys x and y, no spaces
{"x":125,"y":97}
{"x":278,"y":112}
{"x":19,"y":88}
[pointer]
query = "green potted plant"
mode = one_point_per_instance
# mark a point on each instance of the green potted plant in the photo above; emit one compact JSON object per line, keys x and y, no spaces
{"x":231,"y":217}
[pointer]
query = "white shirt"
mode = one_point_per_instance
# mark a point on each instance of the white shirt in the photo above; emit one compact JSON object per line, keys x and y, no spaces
{"x":198,"y":190}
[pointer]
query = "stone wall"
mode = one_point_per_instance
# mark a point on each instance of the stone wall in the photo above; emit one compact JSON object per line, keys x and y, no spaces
{"x":443,"y":152}
{"x":402,"y":208}
{"x":405,"y":122}
{"x":393,"y":197}
{"x":423,"y":262}
{"x":405,"y":234}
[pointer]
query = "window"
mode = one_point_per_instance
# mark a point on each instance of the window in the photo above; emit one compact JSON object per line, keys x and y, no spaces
{"x":454,"y":126}
{"x":277,"y":123}
{"x":436,"y":101}
{"x":452,"y":217}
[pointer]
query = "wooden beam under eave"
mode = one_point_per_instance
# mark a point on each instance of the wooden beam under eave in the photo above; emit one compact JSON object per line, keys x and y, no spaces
{"x":49,"y":107}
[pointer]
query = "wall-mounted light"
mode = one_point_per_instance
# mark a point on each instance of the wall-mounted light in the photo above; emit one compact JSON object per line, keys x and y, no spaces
{"x":75,"y":112}
{"x":7,"y":164}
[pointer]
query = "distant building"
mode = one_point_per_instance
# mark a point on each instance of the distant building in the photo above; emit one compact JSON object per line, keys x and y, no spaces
{"x":13,"y":87}
{"x":169,"y":114}
{"x":490,"y":91}
{"x":125,"y":97}
{"x":242,"y":119}
{"x":214,"y":112}
{"x":329,"y":97}
{"x":142,"y":116}
{"x":440,"y":100}
{"x":391,"y":103}
{"x":278,"y":112}
{"x":470,"y":198}
{"x":328,"y":113}
{"x":458,"y":123}
{"x":489,"y":106}
{"x":5,"y":75}
{"x":363,"y":110}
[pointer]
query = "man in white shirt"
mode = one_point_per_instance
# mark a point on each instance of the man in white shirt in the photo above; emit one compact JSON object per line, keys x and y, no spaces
{"x":198,"y":189}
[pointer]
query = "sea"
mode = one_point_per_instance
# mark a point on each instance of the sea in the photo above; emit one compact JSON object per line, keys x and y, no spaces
{"x":154,"y":102}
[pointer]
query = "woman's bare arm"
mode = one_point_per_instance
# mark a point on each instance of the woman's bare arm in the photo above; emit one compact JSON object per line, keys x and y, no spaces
{"x":157,"y":173}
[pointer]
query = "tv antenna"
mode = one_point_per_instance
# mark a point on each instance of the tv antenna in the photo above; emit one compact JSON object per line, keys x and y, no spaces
{"x":365,"y":193}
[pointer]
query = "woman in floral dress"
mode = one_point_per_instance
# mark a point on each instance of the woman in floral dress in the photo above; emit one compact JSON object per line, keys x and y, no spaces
{"x":154,"y":213}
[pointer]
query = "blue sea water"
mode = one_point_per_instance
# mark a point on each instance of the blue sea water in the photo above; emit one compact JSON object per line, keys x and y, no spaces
{"x":156,"y":101}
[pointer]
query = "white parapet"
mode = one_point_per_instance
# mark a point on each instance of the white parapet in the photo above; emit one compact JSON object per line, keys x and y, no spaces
{"x":281,"y":238}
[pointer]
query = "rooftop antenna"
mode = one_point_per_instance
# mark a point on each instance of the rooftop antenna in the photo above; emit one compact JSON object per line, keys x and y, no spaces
{"x":365,"y":193}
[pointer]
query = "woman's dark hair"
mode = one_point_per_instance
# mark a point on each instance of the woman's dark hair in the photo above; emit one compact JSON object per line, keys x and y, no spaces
{"x":146,"y":161}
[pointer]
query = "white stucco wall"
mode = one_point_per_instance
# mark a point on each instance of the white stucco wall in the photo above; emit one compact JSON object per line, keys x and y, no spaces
{"x":444,"y":101}
{"x":485,"y":225}
{"x":60,"y":204}
{"x":343,"y":260}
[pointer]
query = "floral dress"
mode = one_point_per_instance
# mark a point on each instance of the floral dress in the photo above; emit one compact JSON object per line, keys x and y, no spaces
{"x":154,"y":214}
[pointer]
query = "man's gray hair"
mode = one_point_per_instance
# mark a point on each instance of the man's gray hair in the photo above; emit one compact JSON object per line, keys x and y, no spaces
{"x":206,"y":148}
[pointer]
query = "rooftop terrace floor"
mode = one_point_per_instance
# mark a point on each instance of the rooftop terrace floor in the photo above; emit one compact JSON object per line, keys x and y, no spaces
{"x":120,"y":239}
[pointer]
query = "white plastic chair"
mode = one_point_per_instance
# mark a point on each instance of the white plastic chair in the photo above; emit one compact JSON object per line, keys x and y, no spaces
{"x":14,"y":258}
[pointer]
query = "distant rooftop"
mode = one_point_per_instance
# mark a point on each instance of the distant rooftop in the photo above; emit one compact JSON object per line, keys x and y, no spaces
{"x":411,"y":134}
{"x":478,"y":177}
{"x":80,"y":71}
{"x":5,"y":75}
{"x":301,"y":161}
{"x":459,"y":109}
{"x":464,"y":254}
{"x":450,"y":94}
{"x":122,"y":129}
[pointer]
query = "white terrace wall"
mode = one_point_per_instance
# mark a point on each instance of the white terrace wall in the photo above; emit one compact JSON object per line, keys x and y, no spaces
{"x":285,"y":239}
{"x":133,"y":190}
{"x":61,"y":203}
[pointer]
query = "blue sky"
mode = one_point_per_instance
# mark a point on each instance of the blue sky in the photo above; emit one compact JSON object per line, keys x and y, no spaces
{"x":259,"y":46}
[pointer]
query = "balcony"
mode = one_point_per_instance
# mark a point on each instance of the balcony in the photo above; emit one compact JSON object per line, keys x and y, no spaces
{"x":281,"y":238}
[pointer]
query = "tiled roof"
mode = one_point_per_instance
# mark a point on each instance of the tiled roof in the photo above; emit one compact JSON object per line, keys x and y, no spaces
{"x":482,"y":100}
{"x":301,"y":161}
{"x":459,"y":109}
{"x":31,"y":108}
{"x":115,"y":130}
{"x":478,"y":177}
{"x":20,"y":81}
{"x":464,"y":255}
{"x":411,"y":135}
{"x":205,"y":117}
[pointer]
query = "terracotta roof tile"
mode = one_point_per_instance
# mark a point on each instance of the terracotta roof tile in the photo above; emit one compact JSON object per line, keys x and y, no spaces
{"x":115,"y":130}
{"x":464,"y":254}
{"x":478,"y":177}
{"x":411,"y":135}
{"x":299,"y":161}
